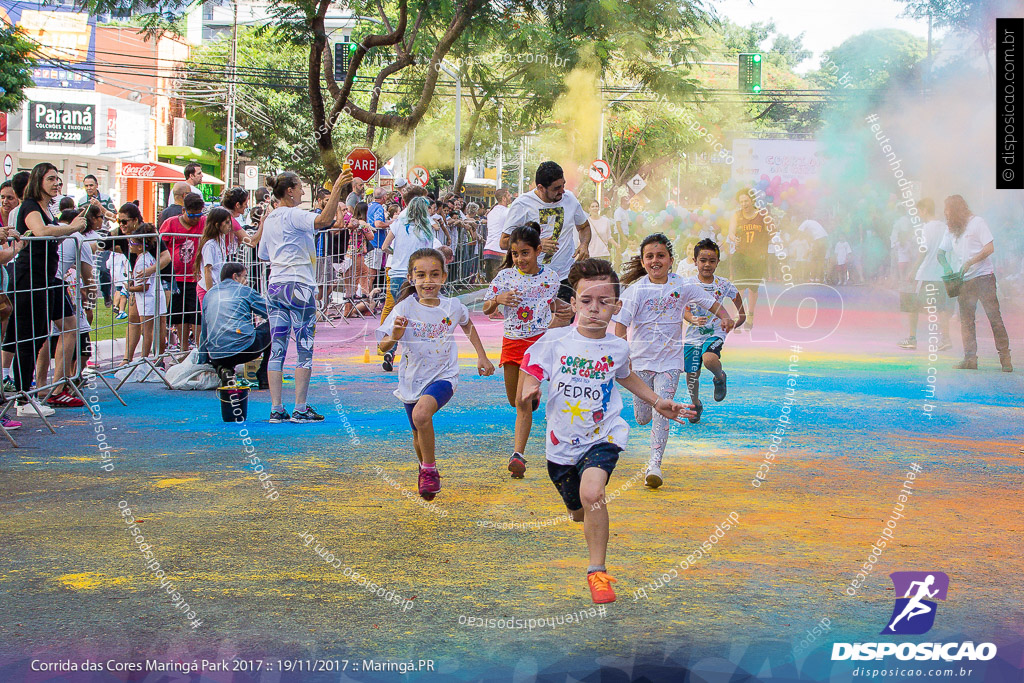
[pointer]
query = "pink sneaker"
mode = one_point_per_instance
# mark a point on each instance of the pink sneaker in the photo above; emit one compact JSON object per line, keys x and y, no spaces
{"x":9,"y":424}
{"x":429,"y":483}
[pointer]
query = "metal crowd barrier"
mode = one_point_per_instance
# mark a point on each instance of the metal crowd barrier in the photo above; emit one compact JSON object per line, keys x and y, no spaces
{"x":48,"y":320}
{"x":92,"y":285}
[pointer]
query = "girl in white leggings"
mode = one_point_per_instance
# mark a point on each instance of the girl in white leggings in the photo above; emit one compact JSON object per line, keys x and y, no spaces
{"x":652,"y":310}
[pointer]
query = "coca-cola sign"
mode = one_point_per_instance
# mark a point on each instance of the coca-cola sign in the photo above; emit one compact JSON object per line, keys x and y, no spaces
{"x":130,"y":170}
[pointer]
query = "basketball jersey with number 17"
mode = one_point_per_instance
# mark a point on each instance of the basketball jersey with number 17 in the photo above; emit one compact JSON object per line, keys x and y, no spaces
{"x":752,"y":235}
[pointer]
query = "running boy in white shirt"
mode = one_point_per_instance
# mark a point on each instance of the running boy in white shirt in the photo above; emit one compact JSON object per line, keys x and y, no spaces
{"x":706,"y":335}
{"x":585,"y":431}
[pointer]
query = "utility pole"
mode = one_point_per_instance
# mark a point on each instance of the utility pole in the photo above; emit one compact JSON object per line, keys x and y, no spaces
{"x":458,"y":123}
{"x":522,"y":142}
{"x":229,"y":171}
{"x":679,"y":177}
{"x":497,"y":180}
{"x":929,"y":36}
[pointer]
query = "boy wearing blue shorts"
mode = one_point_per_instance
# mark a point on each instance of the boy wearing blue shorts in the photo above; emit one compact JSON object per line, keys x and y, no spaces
{"x":705,"y":335}
{"x":585,"y":432}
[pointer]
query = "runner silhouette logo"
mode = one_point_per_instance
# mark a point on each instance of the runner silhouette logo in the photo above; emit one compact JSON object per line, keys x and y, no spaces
{"x":914,"y":612}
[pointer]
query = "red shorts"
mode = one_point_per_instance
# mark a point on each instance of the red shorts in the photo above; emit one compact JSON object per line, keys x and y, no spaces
{"x":513,"y":350}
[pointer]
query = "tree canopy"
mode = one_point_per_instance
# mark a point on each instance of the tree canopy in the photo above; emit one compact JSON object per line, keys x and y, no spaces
{"x":16,"y":63}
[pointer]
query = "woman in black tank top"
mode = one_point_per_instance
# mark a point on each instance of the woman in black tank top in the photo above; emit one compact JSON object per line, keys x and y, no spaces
{"x":39,"y":296}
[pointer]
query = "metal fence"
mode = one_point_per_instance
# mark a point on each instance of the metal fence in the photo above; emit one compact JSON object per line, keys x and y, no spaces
{"x":79,"y":307}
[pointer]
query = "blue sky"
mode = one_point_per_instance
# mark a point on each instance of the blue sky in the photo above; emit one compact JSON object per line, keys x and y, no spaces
{"x":825,"y":23}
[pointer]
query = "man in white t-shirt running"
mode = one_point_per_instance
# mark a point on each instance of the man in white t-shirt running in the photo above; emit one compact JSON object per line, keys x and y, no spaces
{"x":493,"y":253}
{"x":968,"y":247}
{"x":817,"y":237}
{"x":556,"y":210}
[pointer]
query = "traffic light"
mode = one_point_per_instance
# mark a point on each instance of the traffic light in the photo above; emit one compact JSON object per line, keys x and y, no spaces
{"x":750,"y":72}
{"x":343,"y":53}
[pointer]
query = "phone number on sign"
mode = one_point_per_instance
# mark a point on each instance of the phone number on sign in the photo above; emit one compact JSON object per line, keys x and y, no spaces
{"x":63,"y":136}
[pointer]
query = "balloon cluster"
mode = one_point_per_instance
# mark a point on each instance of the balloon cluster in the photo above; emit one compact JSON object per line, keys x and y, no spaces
{"x":786,"y":194}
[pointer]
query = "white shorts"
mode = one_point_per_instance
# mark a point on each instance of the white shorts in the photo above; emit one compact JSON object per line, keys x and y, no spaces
{"x":149,"y":303}
{"x":374,"y":258}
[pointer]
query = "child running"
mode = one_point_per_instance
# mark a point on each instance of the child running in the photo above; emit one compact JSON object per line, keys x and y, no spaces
{"x":527,"y":292}
{"x":582,"y":363}
{"x":706,"y":336}
{"x":653,"y":306}
{"x":404,"y":237}
{"x":424,"y":323}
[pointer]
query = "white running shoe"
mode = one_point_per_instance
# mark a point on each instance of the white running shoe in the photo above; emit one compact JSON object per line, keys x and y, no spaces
{"x":28,"y":411}
{"x":653,"y":478}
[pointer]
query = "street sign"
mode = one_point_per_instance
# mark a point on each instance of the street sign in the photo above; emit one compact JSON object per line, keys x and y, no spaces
{"x":636,"y":183}
{"x":8,"y":165}
{"x":599,"y":171}
{"x":418,"y":175}
{"x":363,"y":163}
{"x":250,"y":177}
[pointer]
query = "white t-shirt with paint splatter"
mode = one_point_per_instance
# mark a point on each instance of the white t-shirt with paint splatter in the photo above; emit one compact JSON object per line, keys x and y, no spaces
{"x":583,"y":405}
{"x":655,"y":315}
{"x":721,"y":289}
{"x":428,"y":348}
{"x":532,"y":315}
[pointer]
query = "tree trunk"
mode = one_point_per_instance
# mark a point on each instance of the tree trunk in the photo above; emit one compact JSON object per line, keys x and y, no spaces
{"x":322,"y":128}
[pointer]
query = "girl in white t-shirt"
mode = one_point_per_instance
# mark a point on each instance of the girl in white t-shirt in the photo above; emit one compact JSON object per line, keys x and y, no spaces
{"x":527,"y":292}
{"x":149,"y":294}
{"x":215,"y":245}
{"x":424,"y":324}
{"x":652,"y":311}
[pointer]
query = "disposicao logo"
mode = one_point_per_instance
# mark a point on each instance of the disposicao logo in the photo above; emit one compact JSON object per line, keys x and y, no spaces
{"x":914,"y":614}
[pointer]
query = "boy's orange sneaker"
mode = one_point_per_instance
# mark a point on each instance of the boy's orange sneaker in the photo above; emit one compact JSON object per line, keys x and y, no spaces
{"x":601,"y":587}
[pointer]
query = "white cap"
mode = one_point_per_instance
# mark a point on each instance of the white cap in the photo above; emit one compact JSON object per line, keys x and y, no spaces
{"x":400,"y":183}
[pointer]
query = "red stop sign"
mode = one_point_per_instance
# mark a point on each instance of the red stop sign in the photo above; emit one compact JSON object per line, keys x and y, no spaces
{"x":363,"y":163}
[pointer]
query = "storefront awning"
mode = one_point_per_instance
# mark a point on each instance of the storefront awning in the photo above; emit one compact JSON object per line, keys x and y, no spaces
{"x":160,"y":172}
{"x":187,"y":153}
